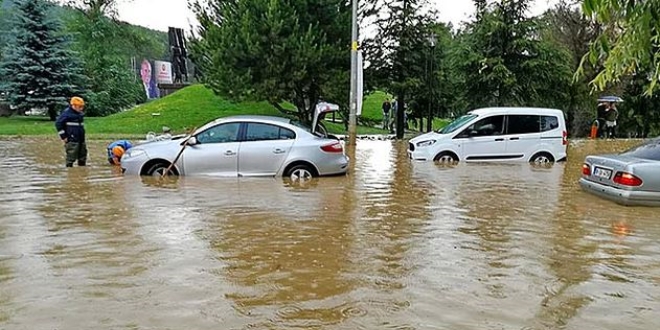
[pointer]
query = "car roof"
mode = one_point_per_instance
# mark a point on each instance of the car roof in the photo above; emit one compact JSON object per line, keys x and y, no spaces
{"x":516,"y":110}
{"x":263,"y":119}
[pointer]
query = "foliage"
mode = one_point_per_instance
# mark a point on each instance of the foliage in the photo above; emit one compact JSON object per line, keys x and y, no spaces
{"x":397,"y":54}
{"x":629,"y":42}
{"x":4,"y":26}
{"x":507,"y":64}
{"x":107,"y":46}
{"x":40,"y":70}
{"x":277,"y":51}
{"x":566,"y":27}
{"x":181,"y":111}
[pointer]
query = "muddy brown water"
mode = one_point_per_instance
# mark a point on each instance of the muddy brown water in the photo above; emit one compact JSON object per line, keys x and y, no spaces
{"x":394,"y":245}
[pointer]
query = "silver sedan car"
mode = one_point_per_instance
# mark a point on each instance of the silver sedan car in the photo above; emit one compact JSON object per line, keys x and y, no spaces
{"x":628,"y":178}
{"x":242,"y":146}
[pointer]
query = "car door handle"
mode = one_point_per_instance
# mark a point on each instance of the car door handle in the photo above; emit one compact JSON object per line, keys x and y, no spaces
{"x":501,"y":139}
{"x":515,"y":138}
{"x":278,"y":151}
{"x":229,"y":153}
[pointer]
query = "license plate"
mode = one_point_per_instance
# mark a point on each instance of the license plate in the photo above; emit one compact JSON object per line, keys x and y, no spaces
{"x":602,"y":173}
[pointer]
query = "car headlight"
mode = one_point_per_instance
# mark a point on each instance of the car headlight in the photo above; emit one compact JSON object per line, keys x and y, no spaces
{"x":134,"y":153}
{"x":425,"y":143}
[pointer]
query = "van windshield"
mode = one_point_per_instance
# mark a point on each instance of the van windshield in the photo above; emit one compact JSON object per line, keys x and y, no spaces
{"x":456,"y":124}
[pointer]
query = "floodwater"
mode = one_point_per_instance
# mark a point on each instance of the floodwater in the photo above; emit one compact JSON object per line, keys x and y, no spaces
{"x":394,"y":245}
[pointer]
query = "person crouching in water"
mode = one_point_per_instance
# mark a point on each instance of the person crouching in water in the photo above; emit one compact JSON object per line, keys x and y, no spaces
{"x":116,"y":150}
{"x":71,"y":129}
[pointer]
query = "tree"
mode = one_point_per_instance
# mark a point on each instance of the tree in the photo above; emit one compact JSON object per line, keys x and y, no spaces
{"x":103,"y":7}
{"x":40,"y":70}
{"x":397,"y":53}
{"x":506,"y":62}
{"x":628,"y":42}
{"x":566,"y":27}
{"x":293,"y":51}
{"x":3,"y":26}
{"x":105,"y":46}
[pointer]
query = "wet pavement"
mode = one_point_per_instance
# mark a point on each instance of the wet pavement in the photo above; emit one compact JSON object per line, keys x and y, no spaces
{"x":393,"y":245}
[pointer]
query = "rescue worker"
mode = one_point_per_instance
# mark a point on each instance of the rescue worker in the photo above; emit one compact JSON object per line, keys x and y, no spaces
{"x":116,"y":150}
{"x":71,"y":130}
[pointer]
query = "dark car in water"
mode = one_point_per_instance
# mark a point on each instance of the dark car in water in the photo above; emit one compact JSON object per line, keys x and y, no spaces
{"x":628,"y":178}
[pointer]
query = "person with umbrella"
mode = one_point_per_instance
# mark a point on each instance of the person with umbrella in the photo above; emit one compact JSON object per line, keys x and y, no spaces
{"x":609,"y":115}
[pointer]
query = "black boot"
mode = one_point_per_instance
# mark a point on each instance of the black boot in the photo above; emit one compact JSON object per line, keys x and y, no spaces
{"x":69,"y":165}
{"x":81,"y":163}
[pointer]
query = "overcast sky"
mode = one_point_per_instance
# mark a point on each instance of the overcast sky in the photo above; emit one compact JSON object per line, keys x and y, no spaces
{"x":160,"y":14}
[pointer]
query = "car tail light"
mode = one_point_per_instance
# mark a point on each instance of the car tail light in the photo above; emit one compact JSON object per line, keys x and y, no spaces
{"x":586,"y":169}
{"x":564,"y":138}
{"x":333,"y":147}
{"x":627,"y":179}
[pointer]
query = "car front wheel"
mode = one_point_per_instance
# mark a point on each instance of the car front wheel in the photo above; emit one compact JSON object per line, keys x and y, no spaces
{"x":446,"y":158}
{"x":159,"y":168}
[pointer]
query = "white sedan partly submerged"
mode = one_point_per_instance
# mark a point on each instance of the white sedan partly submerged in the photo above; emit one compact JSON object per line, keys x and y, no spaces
{"x":244,"y":146}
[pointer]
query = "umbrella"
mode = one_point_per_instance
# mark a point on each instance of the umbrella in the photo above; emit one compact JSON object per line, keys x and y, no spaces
{"x":610,"y":98}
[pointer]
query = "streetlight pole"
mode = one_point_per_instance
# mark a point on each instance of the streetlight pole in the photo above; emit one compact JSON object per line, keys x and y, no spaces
{"x":352,"y":115}
{"x":429,"y":120}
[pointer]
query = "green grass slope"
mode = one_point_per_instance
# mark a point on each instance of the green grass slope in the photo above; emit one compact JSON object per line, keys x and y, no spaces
{"x":181,"y":111}
{"x":188,"y":108}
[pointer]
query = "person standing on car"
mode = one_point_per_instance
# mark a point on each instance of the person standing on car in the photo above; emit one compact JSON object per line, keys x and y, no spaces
{"x":386,"y":112}
{"x":116,"y":150}
{"x":71,"y":130}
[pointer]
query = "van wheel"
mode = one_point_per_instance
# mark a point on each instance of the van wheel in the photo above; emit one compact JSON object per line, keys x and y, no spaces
{"x":542,"y":158}
{"x":446,"y":158}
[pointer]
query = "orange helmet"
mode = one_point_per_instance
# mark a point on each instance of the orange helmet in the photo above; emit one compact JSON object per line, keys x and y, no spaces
{"x":77,"y":101}
{"x":118,"y":151}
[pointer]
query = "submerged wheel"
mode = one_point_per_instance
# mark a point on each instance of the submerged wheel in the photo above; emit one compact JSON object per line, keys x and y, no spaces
{"x":159,"y":168}
{"x":542,"y":158}
{"x":446,"y":158}
{"x":300,"y":172}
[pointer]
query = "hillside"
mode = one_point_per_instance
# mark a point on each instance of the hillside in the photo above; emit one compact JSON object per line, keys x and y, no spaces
{"x":181,"y":111}
{"x":156,"y":49}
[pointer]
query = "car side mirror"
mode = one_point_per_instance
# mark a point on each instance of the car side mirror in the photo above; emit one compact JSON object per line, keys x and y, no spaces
{"x":473,"y":133}
{"x":191,"y":141}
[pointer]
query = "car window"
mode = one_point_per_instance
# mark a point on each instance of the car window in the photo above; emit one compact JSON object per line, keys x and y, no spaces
{"x":220,"y":134}
{"x":650,"y":150}
{"x":264,"y":132}
{"x":524,"y":124}
{"x":456,"y":124}
{"x":493,"y":125}
{"x":548,"y":123}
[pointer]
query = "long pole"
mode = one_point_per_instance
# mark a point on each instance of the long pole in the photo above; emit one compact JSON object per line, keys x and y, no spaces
{"x":352,"y":116}
{"x":429,"y":122}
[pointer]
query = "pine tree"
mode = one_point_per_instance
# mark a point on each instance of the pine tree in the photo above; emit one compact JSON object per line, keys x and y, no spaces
{"x":279,"y":51}
{"x":40,"y":70}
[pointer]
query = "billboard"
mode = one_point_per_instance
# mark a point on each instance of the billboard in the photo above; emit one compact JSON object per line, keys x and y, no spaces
{"x":148,"y":79}
{"x":163,"y":72}
{"x":153,"y":73}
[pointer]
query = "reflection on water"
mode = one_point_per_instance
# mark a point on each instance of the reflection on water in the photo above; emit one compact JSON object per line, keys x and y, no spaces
{"x":394,"y":244}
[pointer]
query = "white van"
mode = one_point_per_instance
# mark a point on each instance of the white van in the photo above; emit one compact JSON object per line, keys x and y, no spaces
{"x":496,"y":134}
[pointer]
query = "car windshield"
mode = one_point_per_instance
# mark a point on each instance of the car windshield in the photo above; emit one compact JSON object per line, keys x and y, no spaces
{"x":649,"y":150}
{"x":456,"y":124}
